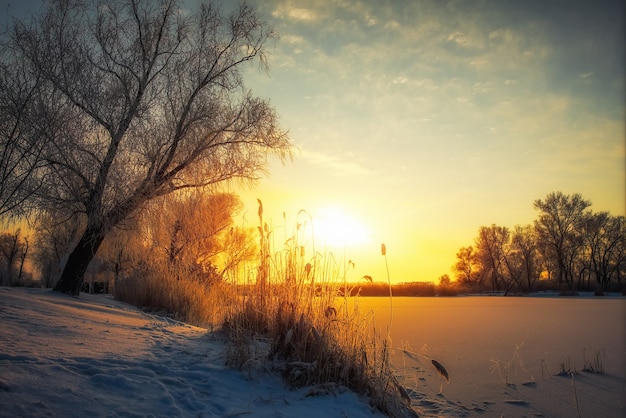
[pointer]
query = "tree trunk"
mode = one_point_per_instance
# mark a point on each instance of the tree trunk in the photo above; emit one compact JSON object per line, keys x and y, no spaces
{"x":73,"y":274}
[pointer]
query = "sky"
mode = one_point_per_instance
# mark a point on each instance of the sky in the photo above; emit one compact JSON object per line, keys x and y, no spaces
{"x":417,"y":122}
{"x":421,"y":121}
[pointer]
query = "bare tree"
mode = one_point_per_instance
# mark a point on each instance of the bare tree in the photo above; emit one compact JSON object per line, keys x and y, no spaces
{"x":491,"y":251}
{"x":620,"y":270}
{"x":123,"y":247}
{"x":524,"y":257}
{"x":21,"y":141}
{"x":558,"y":229}
{"x":148,"y":98}
{"x":182,"y":236}
{"x":240,"y":247}
{"x":605,"y":236}
{"x":195,"y":231}
{"x":466,"y":266}
{"x":13,"y":252}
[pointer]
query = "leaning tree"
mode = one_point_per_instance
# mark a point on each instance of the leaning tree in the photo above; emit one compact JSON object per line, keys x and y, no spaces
{"x":143,"y":98}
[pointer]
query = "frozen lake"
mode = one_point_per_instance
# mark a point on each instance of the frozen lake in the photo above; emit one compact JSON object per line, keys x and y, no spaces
{"x":502,"y":353}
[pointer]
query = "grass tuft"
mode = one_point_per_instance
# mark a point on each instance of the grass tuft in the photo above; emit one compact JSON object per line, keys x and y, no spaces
{"x":595,"y":364}
{"x":299,"y":303}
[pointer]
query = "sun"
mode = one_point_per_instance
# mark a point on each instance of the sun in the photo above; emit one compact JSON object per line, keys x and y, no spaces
{"x":334,"y":227}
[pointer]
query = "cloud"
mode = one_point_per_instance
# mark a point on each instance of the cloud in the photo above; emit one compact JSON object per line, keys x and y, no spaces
{"x":292,"y":39}
{"x":302,"y":14}
{"x":288,"y":10}
{"x":378,"y":73}
{"x":337,"y":164}
{"x":458,"y":38}
{"x":392,"y":24}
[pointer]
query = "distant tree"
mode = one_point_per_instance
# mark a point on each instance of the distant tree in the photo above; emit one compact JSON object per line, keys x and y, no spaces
{"x":523,"y":260}
{"x":558,"y":228}
{"x":605,"y":238}
{"x":514,"y":271}
{"x":143,"y":98}
{"x":621,"y":262}
{"x":444,"y":280}
{"x":13,"y":252}
{"x":547,"y":260}
{"x":491,"y":251}
{"x":466,"y":266}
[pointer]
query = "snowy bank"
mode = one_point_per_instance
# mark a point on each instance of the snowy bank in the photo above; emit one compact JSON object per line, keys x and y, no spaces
{"x":94,"y":356}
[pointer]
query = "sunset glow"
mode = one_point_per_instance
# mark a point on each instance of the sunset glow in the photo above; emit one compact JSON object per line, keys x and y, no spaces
{"x":335,"y":228}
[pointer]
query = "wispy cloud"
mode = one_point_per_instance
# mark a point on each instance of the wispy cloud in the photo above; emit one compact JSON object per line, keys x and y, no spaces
{"x":292,"y":10}
{"x":431,"y":84}
{"x":303,"y":14}
{"x":334,"y":165}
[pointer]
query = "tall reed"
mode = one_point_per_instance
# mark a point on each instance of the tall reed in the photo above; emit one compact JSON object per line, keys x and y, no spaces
{"x":315,"y":333}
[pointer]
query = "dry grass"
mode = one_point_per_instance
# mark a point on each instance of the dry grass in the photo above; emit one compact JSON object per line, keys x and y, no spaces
{"x":595,"y":364}
{"x":508,"y":370}
{"x":297,"y":306}
{"x":190,"y":301}
{"x":315,"y":339}
{"x":292,"y":313}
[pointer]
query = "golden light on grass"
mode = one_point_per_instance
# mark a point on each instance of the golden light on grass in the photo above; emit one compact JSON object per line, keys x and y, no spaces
{"x":292,"y":309}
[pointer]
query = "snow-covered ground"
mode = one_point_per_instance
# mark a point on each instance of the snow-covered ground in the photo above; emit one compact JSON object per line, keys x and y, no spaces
{"x":94,"y":356}
{"x":504,"y":354}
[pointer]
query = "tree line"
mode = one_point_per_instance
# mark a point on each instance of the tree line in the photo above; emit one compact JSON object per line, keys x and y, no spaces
{"x":569,"y":247}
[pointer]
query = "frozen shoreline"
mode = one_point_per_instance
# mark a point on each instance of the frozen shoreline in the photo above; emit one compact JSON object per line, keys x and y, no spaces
{"x":94,"y":356}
